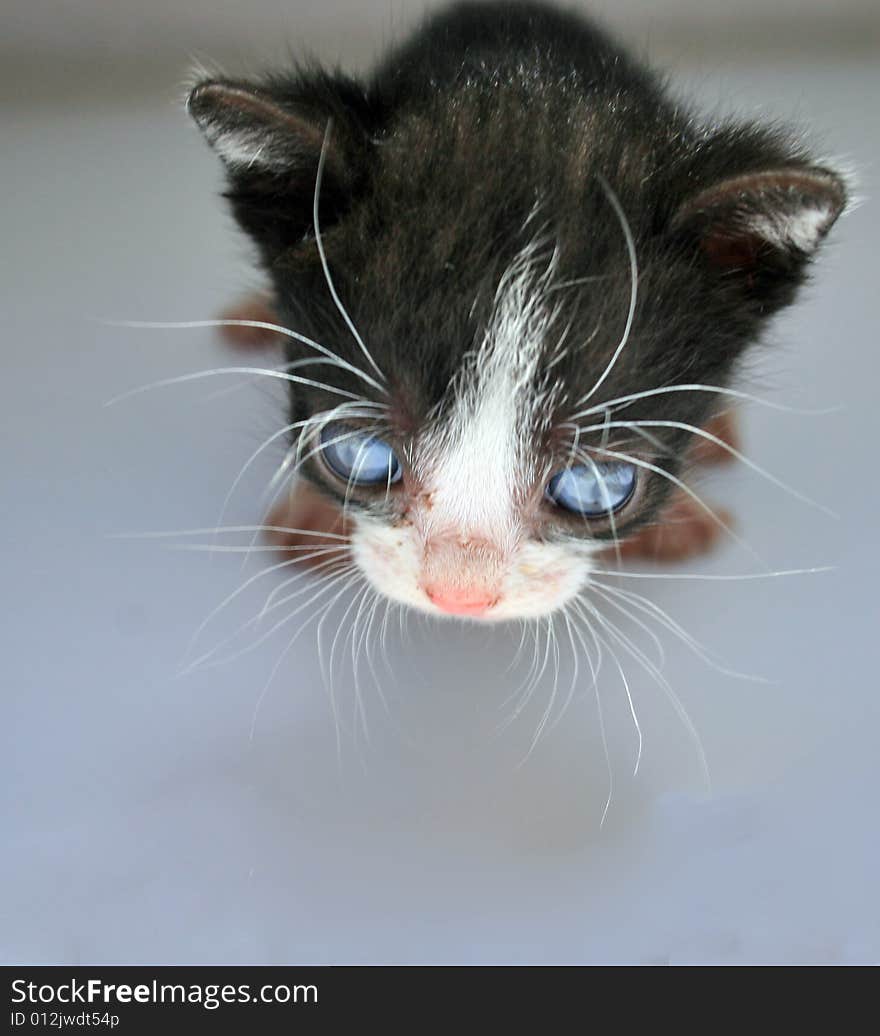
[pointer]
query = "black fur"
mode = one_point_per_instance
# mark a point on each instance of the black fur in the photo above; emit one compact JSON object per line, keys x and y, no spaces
{"x":433,"y":166}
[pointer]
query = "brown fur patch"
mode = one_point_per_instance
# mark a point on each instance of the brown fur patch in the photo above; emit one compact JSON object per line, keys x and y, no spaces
{"x":257,"y":307}
{"x":724,"y":427}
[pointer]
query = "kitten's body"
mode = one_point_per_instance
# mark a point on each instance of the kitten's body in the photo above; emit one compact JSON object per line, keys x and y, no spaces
{"x":526,"y":261}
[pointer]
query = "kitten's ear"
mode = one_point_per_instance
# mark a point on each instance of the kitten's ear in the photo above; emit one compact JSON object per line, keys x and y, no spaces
{"x":251,"y":131}
{"x":271,"y":141}
{"x":759,"y":230}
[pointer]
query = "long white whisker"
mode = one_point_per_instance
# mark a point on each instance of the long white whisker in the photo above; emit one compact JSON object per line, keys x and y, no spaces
{"x":383,"y":642}
{"x":622,"y":401}
{"x":265,"y":372}
{"x":648,"y":607}
{"x":277,"y":666}
{"x":368,"y":644}
{"x":630,"y":702}
{"x":322,"y":158}
{"x":676,"y":702}
{"x":341,"y":625}
{"x":248,"y":582}
{"x":326,"y":666}
{"x":600,"y":715}
{"x":606,"y":500}
{"x":707,"y":577}
{"x":356,"y":643}
{"x":288,"y":469}
{"x":166,"y":534}
{"x":357,"y":411}
{"x":575,"y":665}
{"x":542,"y":722}
{"x":683,"y":426}
{"x":594,"y":670}
{"x":273,"y":673}
{"x":686,"y":489}
{"x":632,"y":712}
{"x":610,"y":599}
{"x":328,"y":581}
{"x":210,"y":548}
{"x":634,"y":284}
{"x":328,"y":562}
{"x":523,"y":691}
{"x":182,"y":325}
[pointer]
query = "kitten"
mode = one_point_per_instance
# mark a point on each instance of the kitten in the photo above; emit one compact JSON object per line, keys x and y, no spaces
{"x":518,"y":280}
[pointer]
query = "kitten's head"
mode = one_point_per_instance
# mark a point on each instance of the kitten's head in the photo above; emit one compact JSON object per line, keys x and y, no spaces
{"x":511,"y":312}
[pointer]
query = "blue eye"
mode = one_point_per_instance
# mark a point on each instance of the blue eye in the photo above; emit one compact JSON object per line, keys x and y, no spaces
{"x":593,"y":489}
{"x":357,"y":457}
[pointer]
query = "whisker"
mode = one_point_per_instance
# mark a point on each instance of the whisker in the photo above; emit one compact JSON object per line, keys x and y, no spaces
{"x":606,"y":500}
{"x":266,"y":372}
{"x":273,"y":673}
{"x":523,"y":690}
{"x":328,"y":581}
{"x":634,"y":283}
{"x":248,"y":582}
{"x":661,"y":654}
{"x":594,"y":669}
{"x":211,"y":548}
{"x":627,"y":692}
{"x":324,"y":265}
{"x":632,"y":712}
{"x":648,"y":607}
{"x":575,"y":672}
{"x":340,"y":626}
{"x":328,"y":562}
{"x":383,"y":639}
{"x":166,"y":534}
{"x":601,"y":718}
{"x":517,"y":654}
{"x":694,"y":496}
{"x":708,"y":577}
{"x":368,"y":644}
{"x":636,"y":653}
{"x":542,"y":722}
{"x":633,"y":397}
{"x":683,"y":426}
{"x":183,"y":325}
{"x":357,"y":712}
{"x":326,"y":667}
{"x":287,"y":469}
{"x":286,"y":429}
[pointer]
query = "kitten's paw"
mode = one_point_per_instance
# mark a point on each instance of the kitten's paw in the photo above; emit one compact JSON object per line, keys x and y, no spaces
{"x":306,"y":523}
{"x":724,"y":427}
{"x":257,"y":307}
{"x":684,"y":530}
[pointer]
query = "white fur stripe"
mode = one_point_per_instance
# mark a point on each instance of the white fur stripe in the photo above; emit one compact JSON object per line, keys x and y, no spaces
{"x":482,"y":452}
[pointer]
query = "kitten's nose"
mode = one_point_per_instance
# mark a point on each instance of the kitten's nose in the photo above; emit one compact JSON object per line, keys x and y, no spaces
{"x":461,"y":601}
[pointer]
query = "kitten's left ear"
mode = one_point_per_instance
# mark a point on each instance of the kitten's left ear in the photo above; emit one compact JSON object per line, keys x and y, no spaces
{"x":759,"y":230}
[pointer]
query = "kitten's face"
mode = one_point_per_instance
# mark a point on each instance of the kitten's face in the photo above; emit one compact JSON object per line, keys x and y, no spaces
{"x":512,"y":302}
{"x":486,"y":487}
{"x":452,"y":511}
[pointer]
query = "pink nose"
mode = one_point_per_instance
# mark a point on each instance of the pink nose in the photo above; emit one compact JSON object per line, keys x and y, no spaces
{"x":457,"y":601}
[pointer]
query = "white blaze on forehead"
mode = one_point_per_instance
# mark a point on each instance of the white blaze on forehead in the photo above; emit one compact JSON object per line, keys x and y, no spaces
{"x":476,"y":461}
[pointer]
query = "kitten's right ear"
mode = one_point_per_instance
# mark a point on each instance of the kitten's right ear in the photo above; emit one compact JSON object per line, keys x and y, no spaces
{"x":271,"y":142}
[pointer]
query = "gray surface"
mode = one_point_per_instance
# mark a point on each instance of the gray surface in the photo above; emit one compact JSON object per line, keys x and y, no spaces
{"x":144,"y":824}
{"x":99,"y":29}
